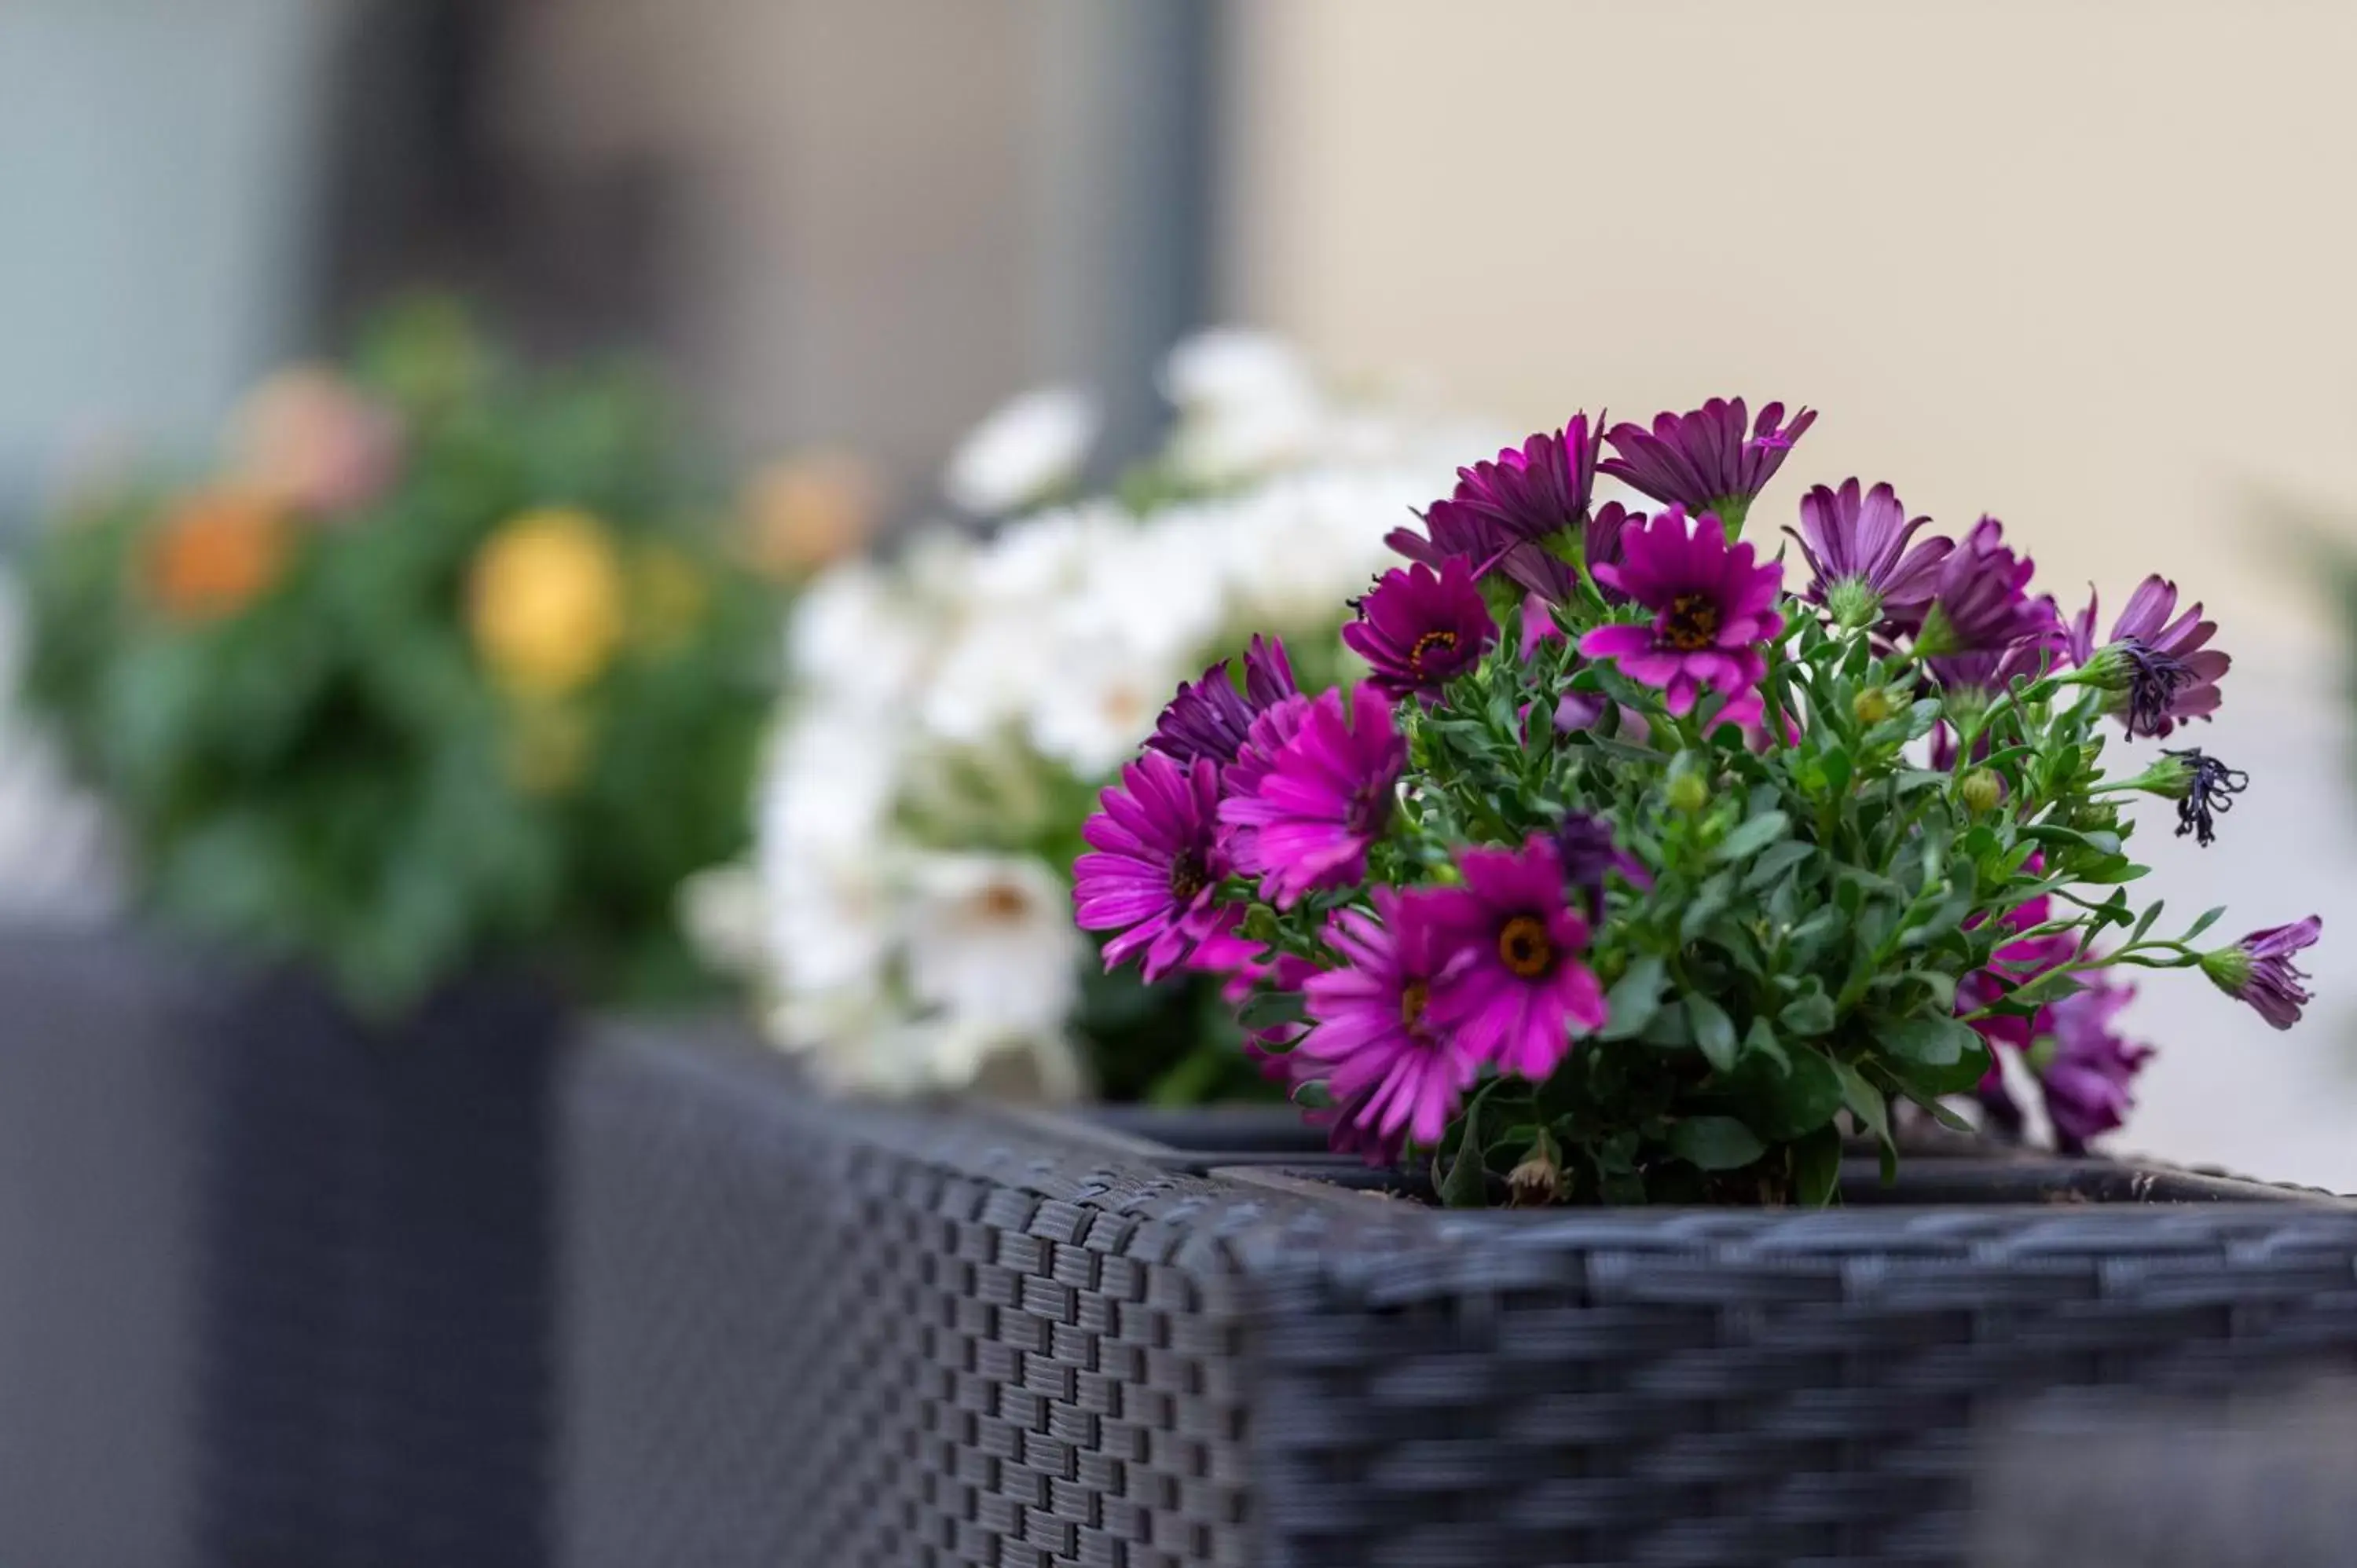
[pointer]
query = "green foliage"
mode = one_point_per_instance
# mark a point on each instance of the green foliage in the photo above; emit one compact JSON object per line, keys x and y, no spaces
{"x":338,"y":769}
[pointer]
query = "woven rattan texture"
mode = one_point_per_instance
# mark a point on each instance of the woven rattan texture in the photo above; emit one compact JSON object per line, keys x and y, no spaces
{"x":807,"y":1332}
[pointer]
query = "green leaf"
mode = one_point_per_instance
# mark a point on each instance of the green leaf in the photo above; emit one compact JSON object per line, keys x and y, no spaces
{"x":1816,"y":1167}
{"x":1753,"y":836}
{"x":1924,"y":1083}
{"x":1634,"y":998}
{"x":1465,"y":1183}
{"x":1759,"y":1041}
{"x":2209,"y":918}
{"x":2143,"y":922}
{"x":1930,"y":1041}
{"x":1865,"y":1101}
{"x":1808,"y":1014}
{"x":1782,"y":1102}
{"x":1714,"y":1143}
{"x":1271,"y":1009}
{"x":1774,"y":862}
{"x":1714,"y":1031}
{"x":1710,"y":901}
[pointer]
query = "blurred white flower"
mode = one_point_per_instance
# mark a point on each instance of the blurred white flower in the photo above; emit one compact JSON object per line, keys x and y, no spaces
{"x":1247,"y":403}
{"x":1026,"y":451}
{"x":989,"y":939}
{"x":1160,"y":588}
{"x":855,"y":638}
{"x":1094,"y":706}
{"x":725,"y":917}
{"x":1303,"y":543}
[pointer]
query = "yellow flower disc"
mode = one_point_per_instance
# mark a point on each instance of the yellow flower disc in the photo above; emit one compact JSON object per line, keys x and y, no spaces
{"x":545,"y":602}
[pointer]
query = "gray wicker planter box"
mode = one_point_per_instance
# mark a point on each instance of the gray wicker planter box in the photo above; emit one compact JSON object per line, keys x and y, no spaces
{"x":806,"y":1331}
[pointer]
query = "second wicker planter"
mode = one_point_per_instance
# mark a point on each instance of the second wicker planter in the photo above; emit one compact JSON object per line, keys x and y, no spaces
{"x":807,"y":1331}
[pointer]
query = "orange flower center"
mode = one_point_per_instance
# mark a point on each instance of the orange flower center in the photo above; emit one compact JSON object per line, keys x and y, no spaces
{"x":1523,"y":946}
{"x":1691,"y":623}
{"x":1430,"y":642}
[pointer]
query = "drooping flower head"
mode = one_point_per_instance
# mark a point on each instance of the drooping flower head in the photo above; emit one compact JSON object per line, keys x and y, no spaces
{"x":1209,"y":717}
{"x":1712,"y":608}
{"x":1326,"y":797}
{"x":2258,"y":970}
{"x":1980,"y":599}
{"x":1155,"y":865}
{"x":1514,"y":987}
{"x":2204,"y":787}
{"x":1540,"y":489}
{"x":1421,"y":628}
{"x":2160,"y":672}
{"x":1391,"y":1070}
{"x":1588,"y":852}
{"x":2085,"y":1067}
{"x":1713,"y":460}
{"x":1861,"y":567}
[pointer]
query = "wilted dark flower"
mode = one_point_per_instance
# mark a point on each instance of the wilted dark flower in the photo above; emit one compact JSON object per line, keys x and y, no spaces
{"x":2204,"y":787}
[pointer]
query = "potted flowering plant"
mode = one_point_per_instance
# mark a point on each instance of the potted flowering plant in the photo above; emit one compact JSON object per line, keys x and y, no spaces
{"x":1642,"y":899}
{"x":422,"y":707}
{"x":1632,"y":874}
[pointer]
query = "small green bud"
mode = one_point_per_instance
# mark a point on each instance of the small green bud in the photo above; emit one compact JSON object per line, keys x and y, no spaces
{"x":1981,"y":790}
{"x":2041,"y":1054}
{"x":1853,"y":604}
{"x":1873,"y":706}
{"x":2228,"y":968}
{"x":1687,"y":792}
{"x":2171,"y":779}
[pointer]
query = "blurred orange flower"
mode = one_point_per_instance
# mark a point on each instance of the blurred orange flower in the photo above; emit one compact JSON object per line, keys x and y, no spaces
{"x":545,"y":602}
{"x":215,"y":552}
{"x":810,"y":511}
{"x":312,"y":440}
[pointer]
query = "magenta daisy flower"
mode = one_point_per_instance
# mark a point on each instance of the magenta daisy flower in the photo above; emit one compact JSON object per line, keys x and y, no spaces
{"x":1860,"y":566}
{"x":1421,"y":628}
{"x":2258,"y":970}
{"x":2163,"y":671}
{"x":1209,"y":717}
{"x":1391,"y":1072}
{"x":1514,"y":988}
{"x":1712,"y":459}
{"x":1538,"y":490}
{"x":2085,"y":1067}
{"x":1712,"y":608}
{"x":1155,"y":865}
{"x":1324,"y":798}
{"x":1980,"y":599}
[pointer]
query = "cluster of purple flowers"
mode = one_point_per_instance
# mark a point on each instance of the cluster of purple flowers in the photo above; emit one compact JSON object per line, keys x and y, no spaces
{"x":1481,"y":965}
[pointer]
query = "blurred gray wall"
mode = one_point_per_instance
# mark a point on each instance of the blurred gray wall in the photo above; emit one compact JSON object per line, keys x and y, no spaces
{"x":156,"y":167}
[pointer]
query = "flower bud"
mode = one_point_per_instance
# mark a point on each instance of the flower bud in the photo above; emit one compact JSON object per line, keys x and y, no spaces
{"x":1687,"y":792}
{"x":1981,"y":790}
{"x":1853,"y":604}
{"x":2171,"y":779}
{"x":1873,"y":706}
{"x":2229,"y":969}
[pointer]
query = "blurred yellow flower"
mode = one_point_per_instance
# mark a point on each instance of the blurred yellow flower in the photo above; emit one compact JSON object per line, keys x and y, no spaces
{"x":548,"y":747}
{"x":810,"y":511}
{"x":215,"y":552}
{"x":668,"y":594}
{"x":545,"y":602}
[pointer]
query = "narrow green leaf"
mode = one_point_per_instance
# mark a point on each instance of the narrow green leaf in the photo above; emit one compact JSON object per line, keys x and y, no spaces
{"x":1863,"y":1100}
{"x":1465,"y":1184}
{"x":1715,"y":1143}
{"x":1816,"y":1167}
{"x":1714,"y":1031}
{"x":1753,"y":836}
{"x":2143,"y":922}
{"x":1269,"y":1009}
{"x":1774,"y":862}
{"x":2209,"y":918}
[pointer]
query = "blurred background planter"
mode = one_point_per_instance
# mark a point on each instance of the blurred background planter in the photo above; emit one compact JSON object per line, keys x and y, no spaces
{"x":278,"y":1283}
{"x":803,"y":1329}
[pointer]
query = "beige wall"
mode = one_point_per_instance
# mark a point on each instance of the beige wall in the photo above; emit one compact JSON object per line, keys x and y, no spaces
{"x":2090,"y":265}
